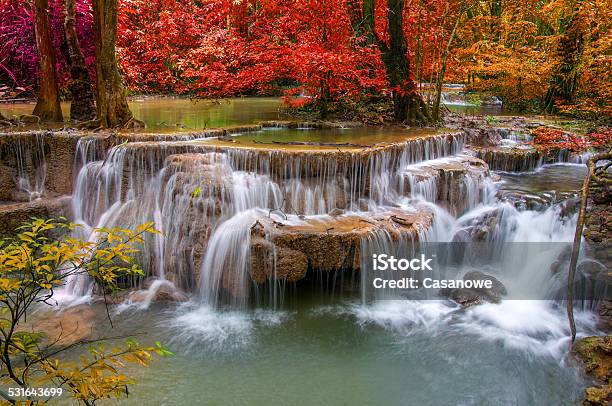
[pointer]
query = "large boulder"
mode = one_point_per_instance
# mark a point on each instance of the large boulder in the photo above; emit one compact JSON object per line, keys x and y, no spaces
{"x":481,"y":228}
{"x":197,"y":191}
{"x":470,"y":297}
{"x":158,"y":291}
{"x":325,"y":243}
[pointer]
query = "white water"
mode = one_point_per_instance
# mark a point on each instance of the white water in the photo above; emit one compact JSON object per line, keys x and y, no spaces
{"x":32,"y":184}
{"x":205,"y":207}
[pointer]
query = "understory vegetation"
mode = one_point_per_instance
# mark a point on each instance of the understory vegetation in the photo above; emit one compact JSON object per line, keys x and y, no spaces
{"x":34,"y":265}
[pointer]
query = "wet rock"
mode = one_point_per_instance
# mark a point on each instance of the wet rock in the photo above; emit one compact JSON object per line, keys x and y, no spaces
{"x":471,"y":297}
{"x":14,"y":215}
{"x":592,"y":269}
{"x":323,"y":243}
{"x":479,"y":229}
{"x":571,"y":204}
{"x":38,"y":157}
{"x":604,"y":311}
{"x":539,"y":201}
{"x":524,"y":201}
{"x":598,"y":224}
{"x":159,"y":291}
{"x":595,"y":356}
{"x":456,"y":182}
{"x":491,"y":101}
{"x":291,"y":265}
{"x":198,"y":189}
{"x":65,"y":327}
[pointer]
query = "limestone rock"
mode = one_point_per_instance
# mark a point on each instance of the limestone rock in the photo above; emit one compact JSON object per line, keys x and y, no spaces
{"x":469,"y":297}
{"x":457,"y":182}
{"x":324,"y":243}
{"x":15,"y":214}
{"x":66,"y":327}
{"x":159,"y":291}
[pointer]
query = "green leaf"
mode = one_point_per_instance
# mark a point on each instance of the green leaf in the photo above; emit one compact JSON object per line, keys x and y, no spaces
{"x":196,"y":192}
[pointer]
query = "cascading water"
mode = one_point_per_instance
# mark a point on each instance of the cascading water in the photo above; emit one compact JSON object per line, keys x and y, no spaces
{"x":31,"y":176}
{"x":190,"y":192}
{"x":206,"y":201}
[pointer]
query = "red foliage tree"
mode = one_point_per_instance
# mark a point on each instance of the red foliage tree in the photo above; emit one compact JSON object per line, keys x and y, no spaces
{"x":224,"y":48}
{"x":547,"y":139}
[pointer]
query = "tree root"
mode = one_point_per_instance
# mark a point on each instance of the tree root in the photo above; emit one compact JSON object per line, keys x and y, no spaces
{"x":89,"y":125}
{"x":29,"y":118}
{"x":134,"y":123}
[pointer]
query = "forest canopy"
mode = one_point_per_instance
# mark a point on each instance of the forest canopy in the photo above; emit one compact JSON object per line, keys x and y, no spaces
{"x":534,"y":54}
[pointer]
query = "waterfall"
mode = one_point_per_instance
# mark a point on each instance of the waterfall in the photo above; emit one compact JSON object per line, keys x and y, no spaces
{"x":206,"y":201}
{"x":226,"y":262}
{"x":31,"y":167}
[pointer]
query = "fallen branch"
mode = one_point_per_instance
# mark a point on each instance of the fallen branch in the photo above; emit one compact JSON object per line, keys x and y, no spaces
{"x":599,"y":178}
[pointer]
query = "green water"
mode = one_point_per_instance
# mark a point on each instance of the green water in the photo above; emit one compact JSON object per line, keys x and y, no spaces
{"x":187,"y":114}
{"x":357,"y":137}
{"x":316,"y":354}
{"x":559,"y":177}
{"x":180,"y":114}
{"x":176,"y":114}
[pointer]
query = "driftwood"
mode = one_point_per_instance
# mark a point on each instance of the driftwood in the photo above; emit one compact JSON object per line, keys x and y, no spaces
{"x":601,"y":176}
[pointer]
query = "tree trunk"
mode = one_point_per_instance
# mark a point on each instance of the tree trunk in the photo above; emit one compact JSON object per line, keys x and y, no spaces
{"x":82,"y":107}
{"x":112,"y":106}
{"x":567,"y":73}
{"x":48,"y":103}
{"x":408,"y":106}
{"x":440,"y":78}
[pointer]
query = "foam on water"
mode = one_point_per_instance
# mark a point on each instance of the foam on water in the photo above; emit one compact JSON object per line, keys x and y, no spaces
{"x":406,"y":316}
{"x":537,"y":326}
{"x":197,"y":324}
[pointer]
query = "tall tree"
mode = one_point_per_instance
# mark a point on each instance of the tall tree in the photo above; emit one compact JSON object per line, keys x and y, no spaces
{"x":111,"y":101}
{"x":408,"y":105}
{"x":82,"y":107}
{"x":442,"y":70}
{"x":564,"y":82}
{"x":48,"y":104}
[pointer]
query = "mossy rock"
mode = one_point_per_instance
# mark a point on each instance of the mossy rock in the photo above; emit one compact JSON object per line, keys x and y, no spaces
{"x":595,"y":353}
{"x":598,"y":395}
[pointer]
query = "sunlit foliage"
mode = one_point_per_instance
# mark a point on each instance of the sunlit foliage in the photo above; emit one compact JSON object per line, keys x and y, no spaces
{"x":33,"y":265}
